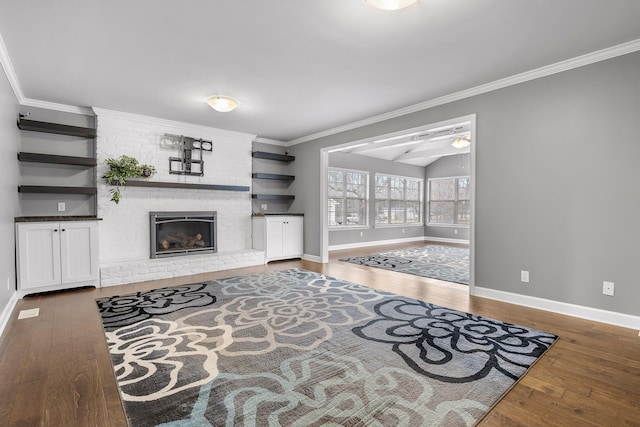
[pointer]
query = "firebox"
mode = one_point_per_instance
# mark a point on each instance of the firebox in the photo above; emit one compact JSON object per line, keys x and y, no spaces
{"x":182,"y":233}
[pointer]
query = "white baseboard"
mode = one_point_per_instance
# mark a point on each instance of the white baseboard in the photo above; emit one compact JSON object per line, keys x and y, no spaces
{"x":445,"y":240}
{"x":589,"y":313}
{"x":375,"y":243}
{"x":6,"y":313}
{"x":312,"y":258}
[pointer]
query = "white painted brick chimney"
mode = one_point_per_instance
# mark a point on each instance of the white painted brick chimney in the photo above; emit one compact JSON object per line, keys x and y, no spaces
{"x":124,"y":229}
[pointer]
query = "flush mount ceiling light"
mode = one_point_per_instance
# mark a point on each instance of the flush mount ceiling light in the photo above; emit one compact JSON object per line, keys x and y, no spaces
{"x":223,"y":104}
{"x":461,"y":142}
{"x":390,"y":4}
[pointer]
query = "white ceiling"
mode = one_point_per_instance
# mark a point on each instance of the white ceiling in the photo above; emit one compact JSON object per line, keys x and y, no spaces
{"x":298,"y":67}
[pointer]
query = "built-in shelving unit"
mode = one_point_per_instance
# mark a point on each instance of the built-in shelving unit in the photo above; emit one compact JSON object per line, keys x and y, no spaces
{"x":284,"y":158}
{"x":64,"y":180}
{"x":158,"y":184}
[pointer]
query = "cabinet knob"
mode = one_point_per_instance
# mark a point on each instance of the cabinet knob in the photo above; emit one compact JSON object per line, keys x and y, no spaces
{"x":55,"y":230}
{"x":64,"y":229}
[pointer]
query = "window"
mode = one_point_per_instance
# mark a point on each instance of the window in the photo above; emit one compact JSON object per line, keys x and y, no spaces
{"x":449,"y":201}
{"x":398,"y":200}
{"x":347,"y":197}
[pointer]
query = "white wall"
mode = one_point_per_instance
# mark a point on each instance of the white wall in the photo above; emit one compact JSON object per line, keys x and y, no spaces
{"x":124,"y":229}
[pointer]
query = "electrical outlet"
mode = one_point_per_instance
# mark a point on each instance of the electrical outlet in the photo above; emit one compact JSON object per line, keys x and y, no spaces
{"x":361,"y":234}
{"x":607,"y":288}
{"x":263,"y":207}
{"x":524,"y":276}
{"x":403,"y":231}
{"x":8,"y":283}
{"x":61,"y":207}
{"x":455,"y":231}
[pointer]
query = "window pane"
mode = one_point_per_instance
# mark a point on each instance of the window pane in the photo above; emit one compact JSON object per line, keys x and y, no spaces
{"x":382,"y":187}
{"x":397,"y":212}
{"x":397,"y":188}
{"x":413,"y":190}
{"x":464,"y":212}
{"x":442,"y":189}
{"x":463,"y":189}
{"x":382,"y":212}
{"x":347,"y":198}
{"x":413,"y":212}
{"x":441,"y":212}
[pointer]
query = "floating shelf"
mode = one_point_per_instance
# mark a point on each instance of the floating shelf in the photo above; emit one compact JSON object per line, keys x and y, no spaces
{"x":273,"y":176}
{"x":272,"y":197}
{"x":273,"y":156}
{"x":157,"y":184}
{"x":46,"y":127}
{"x":47,"y":189}
{"x":55,"y":159}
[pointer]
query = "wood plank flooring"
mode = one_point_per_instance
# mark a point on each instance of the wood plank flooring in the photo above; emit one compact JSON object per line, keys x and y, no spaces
{"x":55,"y":368}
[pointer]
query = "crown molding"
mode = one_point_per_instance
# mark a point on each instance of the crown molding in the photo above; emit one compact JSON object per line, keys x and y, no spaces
{"x":10,"y":72}
{"x":101,"y":112}
{"x":558,"y":67}
{"x":28,"y":102}
{"x":270,"y":141}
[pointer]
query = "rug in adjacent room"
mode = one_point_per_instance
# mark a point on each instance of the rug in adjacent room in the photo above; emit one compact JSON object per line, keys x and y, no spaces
{"x":435,"y":261}
{"x":296,"y":348}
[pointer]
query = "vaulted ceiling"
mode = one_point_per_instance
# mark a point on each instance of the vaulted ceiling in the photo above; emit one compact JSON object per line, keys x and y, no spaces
{"x":297,"y":67}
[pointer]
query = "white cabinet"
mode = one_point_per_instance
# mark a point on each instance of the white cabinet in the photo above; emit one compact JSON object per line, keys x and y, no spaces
{"x":56,"y":255}
{"x":279,"y":236}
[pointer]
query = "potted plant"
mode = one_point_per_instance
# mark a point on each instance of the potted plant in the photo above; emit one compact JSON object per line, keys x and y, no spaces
{"x":123,"y":168}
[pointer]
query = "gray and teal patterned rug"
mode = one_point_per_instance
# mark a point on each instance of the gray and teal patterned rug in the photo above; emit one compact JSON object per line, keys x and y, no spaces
{"x":435,"y":261}
{"x":296,"y":348}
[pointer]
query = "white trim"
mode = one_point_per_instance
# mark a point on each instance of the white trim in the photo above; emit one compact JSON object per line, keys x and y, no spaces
{"x":270,"y":141}
{"x":558,"y":67}
{"x":171,"y":124}
{"x":312,"y":258}
{"x":10,"y":72}
{"x":589,"y":313}
{"x":446,"y":240}
{"x":28,"y":102}
{"x":6,"y":313}
{"x":375,"y":243}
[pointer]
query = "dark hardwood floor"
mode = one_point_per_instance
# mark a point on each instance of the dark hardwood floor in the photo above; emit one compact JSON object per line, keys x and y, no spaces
{"x":55,"y":368}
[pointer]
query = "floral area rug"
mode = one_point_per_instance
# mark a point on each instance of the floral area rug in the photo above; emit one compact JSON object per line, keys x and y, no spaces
{"x":296,"y":348}
{"x":434,"y":261}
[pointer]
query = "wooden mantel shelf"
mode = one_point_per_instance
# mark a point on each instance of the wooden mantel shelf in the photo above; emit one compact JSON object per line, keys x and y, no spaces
{"x":158,"y":184}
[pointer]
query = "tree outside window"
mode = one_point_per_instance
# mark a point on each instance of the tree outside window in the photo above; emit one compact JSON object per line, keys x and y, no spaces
{"x":449,"y":201}
{"x":398,"y":200}
{"x":347,"y":204}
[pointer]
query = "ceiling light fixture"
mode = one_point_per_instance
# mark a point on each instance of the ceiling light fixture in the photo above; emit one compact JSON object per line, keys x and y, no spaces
{"x":223,"y":104}
{"x":461,"y":142}
{"x":390,"y":4}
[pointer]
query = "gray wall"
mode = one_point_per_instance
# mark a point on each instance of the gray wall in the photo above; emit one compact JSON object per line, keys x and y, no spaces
{"x":556,"y":178}
{"x":373,"y":166}
{"x":448,"y":166}
{"x":9,"y":208}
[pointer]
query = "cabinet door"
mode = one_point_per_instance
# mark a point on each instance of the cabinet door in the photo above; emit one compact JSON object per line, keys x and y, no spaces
{"x":275,"y":238}
{"x":38,"y":255}
{"x":293,"y":229}
{"x":79,"y":251}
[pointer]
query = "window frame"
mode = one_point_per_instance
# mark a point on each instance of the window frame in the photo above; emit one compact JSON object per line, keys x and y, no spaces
{"x":455,"y":202}
{"x":344,"y":198}
{"x":390,"y":200}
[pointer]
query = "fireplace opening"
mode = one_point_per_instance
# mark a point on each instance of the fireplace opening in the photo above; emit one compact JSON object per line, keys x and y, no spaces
{"x":182,"y":233}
